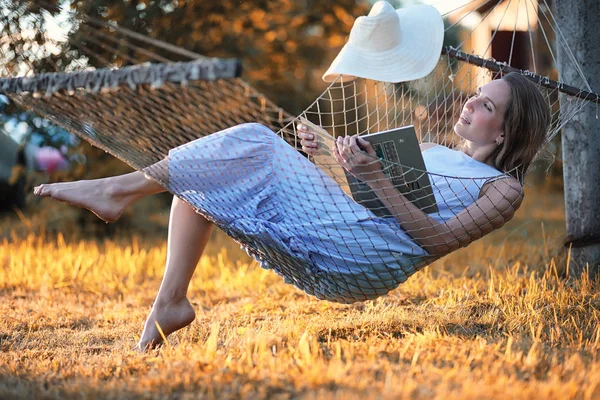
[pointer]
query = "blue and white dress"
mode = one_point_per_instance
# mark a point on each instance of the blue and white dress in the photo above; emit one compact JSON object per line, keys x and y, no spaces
{"x":296,"y":220}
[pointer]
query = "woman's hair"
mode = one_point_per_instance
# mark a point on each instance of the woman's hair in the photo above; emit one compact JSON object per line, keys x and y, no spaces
{"x":526,"y":122}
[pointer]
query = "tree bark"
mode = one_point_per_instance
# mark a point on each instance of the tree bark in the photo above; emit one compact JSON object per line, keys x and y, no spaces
{"x":579,"y":21}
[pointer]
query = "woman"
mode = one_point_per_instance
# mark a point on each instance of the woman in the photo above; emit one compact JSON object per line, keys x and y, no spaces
{"x":296,"y":220}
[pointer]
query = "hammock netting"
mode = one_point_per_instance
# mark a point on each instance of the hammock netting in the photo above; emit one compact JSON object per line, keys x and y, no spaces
{"x":214,"y":141}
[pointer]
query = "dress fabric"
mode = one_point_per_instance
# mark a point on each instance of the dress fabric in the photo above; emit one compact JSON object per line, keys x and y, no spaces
{"x":295,"y":220}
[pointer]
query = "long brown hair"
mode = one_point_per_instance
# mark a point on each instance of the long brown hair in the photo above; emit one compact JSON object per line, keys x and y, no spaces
{"x":526,"y":122}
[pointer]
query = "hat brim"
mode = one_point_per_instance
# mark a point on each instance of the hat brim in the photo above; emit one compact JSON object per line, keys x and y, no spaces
{"x":415,"y":56}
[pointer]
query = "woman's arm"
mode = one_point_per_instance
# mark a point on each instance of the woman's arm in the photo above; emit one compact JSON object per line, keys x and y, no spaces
{"x":496,"y":205}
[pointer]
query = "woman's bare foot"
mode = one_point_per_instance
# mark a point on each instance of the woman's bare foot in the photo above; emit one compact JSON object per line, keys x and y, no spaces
{"x":100,"y":196}
{"x":171,"y":317}
{"x":107,"y":198}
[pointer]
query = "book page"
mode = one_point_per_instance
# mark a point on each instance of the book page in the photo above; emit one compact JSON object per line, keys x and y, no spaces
{"x":324,"y":158}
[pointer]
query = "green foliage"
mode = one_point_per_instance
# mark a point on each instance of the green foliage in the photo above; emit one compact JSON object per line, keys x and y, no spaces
{"x":25,"y":45}
{"x":284,"y":45}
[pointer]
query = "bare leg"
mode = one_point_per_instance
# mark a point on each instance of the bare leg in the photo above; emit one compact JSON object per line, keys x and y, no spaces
{"x":107,"y":197}
{"x":188,"y":234}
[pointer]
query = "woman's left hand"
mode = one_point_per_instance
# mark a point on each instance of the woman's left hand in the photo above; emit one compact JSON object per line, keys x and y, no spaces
{"x":358,"y":157}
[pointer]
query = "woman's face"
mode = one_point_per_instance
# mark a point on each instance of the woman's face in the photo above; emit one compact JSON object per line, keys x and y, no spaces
{"x":482,"y":117}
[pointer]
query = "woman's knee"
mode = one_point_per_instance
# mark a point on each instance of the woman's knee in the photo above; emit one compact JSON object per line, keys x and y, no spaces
{"x":254,"y":127}
{"x":250,"y":132}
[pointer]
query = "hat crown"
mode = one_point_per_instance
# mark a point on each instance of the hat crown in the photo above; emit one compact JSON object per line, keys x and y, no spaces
{"x":390,"y":45}
{"x":379,"y":31}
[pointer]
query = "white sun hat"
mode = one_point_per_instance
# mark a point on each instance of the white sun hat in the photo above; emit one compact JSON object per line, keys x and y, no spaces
{"x":391,"y":45}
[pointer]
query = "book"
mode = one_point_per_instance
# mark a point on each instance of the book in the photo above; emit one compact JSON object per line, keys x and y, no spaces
{"x":402,"y":162}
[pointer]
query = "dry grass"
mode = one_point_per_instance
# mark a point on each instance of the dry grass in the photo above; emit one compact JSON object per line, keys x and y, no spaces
{"x":496,"y":320}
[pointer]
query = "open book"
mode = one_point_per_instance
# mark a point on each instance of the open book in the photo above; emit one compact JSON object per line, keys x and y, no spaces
{"x":399,"y":153}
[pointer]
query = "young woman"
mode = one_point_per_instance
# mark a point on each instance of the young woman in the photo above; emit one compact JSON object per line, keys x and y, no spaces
{"x":297,"y":221}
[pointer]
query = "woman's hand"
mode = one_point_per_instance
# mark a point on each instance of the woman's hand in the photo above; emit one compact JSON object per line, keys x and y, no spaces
{"x":309,"y":142}
{"x":358,"y":157}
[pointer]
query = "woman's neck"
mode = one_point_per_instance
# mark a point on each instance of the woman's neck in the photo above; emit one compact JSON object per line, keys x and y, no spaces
{"x":482,"y":154}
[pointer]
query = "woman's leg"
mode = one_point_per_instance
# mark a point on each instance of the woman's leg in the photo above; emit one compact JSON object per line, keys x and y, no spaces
{"x":106,"y":197}
{"x":188,"y":234}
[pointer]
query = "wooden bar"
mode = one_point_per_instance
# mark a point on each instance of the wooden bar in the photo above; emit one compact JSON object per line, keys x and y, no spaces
{"x":504,"y":68}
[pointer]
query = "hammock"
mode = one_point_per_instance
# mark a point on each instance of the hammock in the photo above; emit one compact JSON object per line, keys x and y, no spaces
{"x":325,"y":243}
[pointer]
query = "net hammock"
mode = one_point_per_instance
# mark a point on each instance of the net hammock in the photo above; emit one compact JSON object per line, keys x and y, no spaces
{"x":295,"y":214}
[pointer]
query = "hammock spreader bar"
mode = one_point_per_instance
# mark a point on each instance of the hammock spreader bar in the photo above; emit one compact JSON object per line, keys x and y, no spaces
{"x":504,"y":68}
{"x":153,"y":74}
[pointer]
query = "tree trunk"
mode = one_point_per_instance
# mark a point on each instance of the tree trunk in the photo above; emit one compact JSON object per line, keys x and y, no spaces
{"x":579,"y":21}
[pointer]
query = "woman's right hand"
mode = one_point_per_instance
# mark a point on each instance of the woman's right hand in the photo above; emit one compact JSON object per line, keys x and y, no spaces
{"x":309,"y":142}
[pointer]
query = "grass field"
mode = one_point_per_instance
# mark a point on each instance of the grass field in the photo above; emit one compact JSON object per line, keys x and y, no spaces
{"x":496,"y":320}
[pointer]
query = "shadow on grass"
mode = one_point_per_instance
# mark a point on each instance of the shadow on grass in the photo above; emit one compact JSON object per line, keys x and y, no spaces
{"x":229,"y":385}
{"x":468,"y":321}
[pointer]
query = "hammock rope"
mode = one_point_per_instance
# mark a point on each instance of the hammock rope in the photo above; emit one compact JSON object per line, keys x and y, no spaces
{"x":308,"y":228}
{"x":132,"y":76}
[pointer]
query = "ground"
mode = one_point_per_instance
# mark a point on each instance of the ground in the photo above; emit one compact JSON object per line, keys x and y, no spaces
{"x":498,"y":319}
